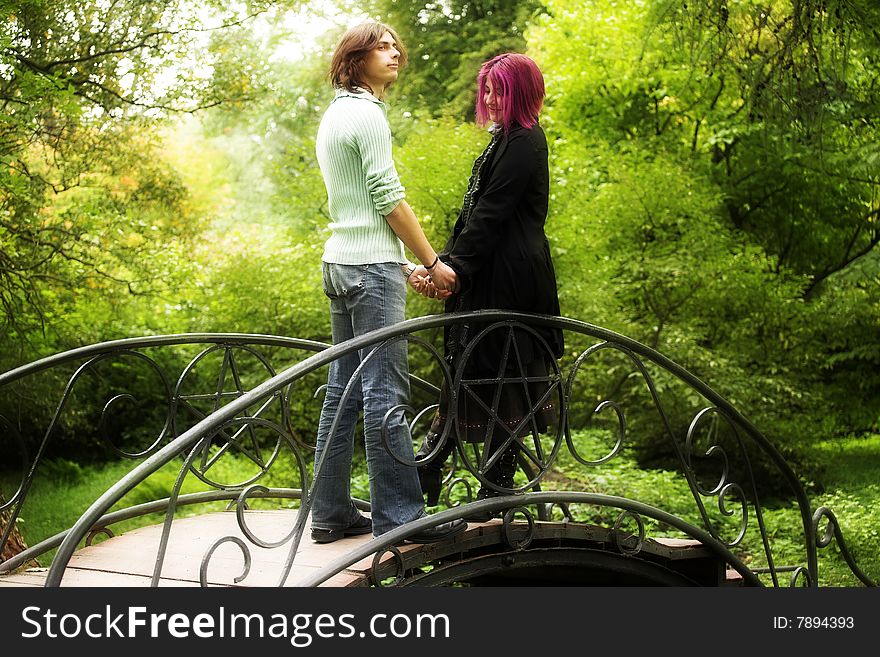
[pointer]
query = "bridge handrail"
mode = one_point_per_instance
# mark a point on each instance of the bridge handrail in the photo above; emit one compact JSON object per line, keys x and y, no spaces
{"x":85,"y":355}
{"x":203,"y":428}
{"x":110,"y":346}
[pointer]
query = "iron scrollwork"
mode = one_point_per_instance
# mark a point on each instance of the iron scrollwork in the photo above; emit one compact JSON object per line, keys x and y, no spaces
{"x":251,"y":419}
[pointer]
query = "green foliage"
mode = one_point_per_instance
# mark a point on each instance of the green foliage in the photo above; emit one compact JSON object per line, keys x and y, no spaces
{"x":55,"y":502}
{"x":62,"y":470}
{"x":621,"y":476}
{"x":446,"y":43}
{"x":435,"y":161}
{"x":89,"y":207}
{"x":704,"y":203}
{"x":850,"y":492}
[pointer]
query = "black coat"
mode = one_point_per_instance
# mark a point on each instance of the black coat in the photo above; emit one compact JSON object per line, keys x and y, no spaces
{"x":500,"y":251}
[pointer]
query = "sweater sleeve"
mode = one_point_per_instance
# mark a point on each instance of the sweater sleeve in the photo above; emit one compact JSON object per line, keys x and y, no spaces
{"x":372,"y":137}
{"x":497,"y":204}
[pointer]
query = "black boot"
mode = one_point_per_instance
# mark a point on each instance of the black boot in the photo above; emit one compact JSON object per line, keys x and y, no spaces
{"x":431,"y":473}
{"x":500,"y":474}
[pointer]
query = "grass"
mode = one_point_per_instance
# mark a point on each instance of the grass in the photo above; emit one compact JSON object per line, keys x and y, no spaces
{"x":852,"y":492}
{"x":850,"y":488}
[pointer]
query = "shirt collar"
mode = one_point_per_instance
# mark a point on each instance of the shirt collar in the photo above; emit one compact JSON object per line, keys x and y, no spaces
{"x":358,"y":93}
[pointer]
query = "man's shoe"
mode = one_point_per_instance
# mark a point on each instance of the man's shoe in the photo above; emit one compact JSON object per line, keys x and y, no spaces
{"x":362,"y":525}
{"x":438,"y":533}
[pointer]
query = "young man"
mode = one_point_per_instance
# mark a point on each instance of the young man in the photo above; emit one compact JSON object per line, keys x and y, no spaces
{"x":364,"y":276}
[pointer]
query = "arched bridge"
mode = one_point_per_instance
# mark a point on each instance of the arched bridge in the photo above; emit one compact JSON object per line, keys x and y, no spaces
{"x":220,"y":431}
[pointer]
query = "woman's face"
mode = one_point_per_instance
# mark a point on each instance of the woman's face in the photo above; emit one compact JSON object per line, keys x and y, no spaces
{"x":493,"y":102}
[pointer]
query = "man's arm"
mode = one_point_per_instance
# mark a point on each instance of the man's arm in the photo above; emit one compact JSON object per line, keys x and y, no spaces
{"x":405,"y":225}
{"x":373,"y":137}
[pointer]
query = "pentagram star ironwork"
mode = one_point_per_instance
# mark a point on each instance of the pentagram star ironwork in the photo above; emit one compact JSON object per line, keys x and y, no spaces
{"x":503,"y":382}
{"x":229,"y":387}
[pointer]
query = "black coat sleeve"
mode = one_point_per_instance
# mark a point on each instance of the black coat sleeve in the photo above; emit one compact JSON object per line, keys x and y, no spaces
{"x":497,"y":204}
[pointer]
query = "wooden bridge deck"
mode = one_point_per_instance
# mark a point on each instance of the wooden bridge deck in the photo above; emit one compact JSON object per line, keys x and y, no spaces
{"x":128,"y":560}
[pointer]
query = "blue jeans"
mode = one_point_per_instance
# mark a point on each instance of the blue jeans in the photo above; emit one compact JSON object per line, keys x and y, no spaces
{"x":364,"y":298}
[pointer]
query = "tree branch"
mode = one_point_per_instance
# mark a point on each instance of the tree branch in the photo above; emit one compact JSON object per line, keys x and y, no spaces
{"x":849,"y":257}
{"x":121,"y":48}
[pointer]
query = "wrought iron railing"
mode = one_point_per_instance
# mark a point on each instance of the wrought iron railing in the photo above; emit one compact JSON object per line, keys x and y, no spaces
{"x":248,"y":413}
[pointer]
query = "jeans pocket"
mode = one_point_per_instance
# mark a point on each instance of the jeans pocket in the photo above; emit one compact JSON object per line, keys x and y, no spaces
{"x":342,"y":280}
{"x":326,"y":281}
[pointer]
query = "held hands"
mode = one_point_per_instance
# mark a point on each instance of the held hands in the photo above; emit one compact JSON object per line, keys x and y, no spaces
{"x":443,"y":277}
{"x":440,"y":282}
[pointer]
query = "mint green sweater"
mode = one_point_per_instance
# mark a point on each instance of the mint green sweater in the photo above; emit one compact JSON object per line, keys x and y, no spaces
{"x":354,"y":153}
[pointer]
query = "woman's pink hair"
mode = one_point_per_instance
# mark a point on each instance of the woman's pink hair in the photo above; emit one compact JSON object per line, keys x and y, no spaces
{"x":518,"y":82}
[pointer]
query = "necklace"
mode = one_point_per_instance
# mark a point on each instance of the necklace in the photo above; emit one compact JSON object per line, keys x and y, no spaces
{"x":467,"y":205}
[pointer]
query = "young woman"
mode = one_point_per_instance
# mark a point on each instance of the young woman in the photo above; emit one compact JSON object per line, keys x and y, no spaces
{"x":501,"y":256}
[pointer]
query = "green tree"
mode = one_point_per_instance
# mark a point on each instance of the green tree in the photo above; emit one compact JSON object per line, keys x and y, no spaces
{"x":714,"y":175}
{"x":447,"y":42}
{"x":85,"y":198}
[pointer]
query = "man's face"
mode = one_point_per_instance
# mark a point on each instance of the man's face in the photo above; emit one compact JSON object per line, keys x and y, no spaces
{"x":380,"y":65}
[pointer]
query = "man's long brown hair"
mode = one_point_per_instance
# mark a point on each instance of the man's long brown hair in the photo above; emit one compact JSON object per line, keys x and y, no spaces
{"x":347,"y":66}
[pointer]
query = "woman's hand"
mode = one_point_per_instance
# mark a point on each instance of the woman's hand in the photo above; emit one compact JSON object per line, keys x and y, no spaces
{"x":443,"y":277}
